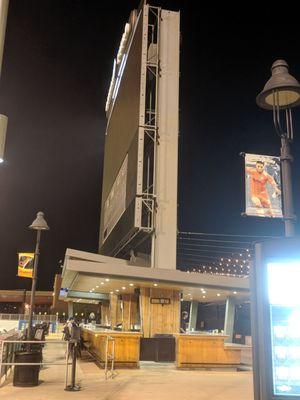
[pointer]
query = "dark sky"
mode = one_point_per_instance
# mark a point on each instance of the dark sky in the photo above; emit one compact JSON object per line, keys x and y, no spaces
{"x":55,"y":76}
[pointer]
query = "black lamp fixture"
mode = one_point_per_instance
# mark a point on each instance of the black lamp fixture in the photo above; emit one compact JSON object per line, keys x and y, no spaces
{"x":280,"y":94}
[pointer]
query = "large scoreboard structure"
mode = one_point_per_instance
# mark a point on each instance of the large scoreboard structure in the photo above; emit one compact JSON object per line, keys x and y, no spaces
{"x":139,"y":195}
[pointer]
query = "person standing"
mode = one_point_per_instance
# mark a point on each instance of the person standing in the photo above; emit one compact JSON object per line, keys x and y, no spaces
{"x":67,"y":329}
{"x":184,"y":322}
{"x":76,"y":337}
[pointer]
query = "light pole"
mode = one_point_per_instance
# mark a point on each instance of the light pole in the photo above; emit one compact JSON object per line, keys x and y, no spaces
{"x":3,"y":128}
{"x":39,"y":225}
{"x":280,"y":94}
{"x":3,"y":119}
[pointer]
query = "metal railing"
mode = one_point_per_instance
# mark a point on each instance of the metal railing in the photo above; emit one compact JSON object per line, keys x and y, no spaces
{"x":8,"y":361}
{"x":25,"y":317}
{"x":7,"y":354}
{"x":109,"y":358}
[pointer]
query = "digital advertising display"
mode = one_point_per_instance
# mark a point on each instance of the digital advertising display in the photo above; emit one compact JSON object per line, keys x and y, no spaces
{"x":283,"y":279}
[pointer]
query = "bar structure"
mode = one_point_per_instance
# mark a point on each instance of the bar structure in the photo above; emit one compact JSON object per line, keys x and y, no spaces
{"x":141,"y":308}
{"x":127,"y":346}
{"x":194,"y":351}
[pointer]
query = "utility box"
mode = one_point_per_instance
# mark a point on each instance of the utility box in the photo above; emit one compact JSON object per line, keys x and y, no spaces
{"x":275,"y":319}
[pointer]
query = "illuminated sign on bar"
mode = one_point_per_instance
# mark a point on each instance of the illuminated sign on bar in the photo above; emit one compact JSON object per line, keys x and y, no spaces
{"x":160,"y":300}
{"x":284,"y":302}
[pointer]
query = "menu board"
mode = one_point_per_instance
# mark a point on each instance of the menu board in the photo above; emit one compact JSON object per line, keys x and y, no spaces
{"x":284,"y":303}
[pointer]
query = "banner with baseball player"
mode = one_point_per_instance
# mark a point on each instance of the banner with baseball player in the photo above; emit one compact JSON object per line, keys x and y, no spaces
{"x":25,"y":264}
{"x":263,"y":186}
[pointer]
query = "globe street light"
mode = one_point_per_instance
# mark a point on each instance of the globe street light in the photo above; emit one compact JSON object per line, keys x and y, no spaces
{"x":39,"y":225}
{"x":280,"y":94}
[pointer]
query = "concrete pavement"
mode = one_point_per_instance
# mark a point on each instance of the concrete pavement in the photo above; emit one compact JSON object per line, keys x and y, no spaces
{"x":152,"y":381}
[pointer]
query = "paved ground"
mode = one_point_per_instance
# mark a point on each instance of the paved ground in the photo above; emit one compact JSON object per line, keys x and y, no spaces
{"x":159,"y":382}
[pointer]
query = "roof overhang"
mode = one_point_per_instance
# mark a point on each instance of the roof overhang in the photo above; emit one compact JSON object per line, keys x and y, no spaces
{"x":97,"y":274}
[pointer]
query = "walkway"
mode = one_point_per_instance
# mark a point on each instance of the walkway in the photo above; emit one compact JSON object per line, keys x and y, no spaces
{"x":160,"y":382}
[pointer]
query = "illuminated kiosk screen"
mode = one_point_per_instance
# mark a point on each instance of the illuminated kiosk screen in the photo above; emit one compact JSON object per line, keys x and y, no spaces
{"x":284,"y":302}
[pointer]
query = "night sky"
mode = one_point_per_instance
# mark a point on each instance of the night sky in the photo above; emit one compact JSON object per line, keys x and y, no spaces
{"x":55,"y":76}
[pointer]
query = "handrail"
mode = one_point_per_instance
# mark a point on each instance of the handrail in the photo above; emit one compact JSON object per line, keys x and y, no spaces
{"x":66,"y":362}
{"x":110,"y":357}
{"x":36,"y":317}
{"x":7,"y":354}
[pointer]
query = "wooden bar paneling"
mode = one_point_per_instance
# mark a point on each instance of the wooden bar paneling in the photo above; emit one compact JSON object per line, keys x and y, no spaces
{"x":127,"y":346}
{"x":201,"y":350}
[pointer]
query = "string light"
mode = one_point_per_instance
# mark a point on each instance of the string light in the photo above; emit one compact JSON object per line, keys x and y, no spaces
{"x":233,"y":266}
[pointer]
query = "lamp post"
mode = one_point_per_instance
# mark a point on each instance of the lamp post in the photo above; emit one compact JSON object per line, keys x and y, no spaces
{"x":39,"y":225}
{"x":3,"y":128}
{"x":280,"y":94}
{"x":3,"y":119}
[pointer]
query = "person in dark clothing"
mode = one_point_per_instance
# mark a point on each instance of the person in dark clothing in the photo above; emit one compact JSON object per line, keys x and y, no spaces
{"x":184,"y":322}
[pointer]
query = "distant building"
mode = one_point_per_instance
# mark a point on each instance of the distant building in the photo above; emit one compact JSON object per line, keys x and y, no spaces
{"x":15,"y":301}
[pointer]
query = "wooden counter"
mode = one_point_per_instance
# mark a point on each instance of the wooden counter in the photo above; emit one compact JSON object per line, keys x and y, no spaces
{"x":205,"y":351}
{"x":127,"y":346}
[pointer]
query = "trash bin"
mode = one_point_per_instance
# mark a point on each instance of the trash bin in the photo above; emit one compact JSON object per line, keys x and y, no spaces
{"x":27,"y":375}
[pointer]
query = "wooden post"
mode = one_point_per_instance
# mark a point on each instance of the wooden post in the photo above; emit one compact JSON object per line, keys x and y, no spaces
{"x":105,"y":317}
{"x":145,"y":311}
{"x":159,"y":318}
{"x":126,"y":312}
{"x":113,"y":304}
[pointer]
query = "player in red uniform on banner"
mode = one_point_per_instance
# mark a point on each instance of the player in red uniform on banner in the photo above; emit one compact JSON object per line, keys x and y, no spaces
{"x":258,"y":187}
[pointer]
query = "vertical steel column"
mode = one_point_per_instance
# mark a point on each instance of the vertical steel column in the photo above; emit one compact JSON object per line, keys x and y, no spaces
{"x":229,"y":318}
{"x":145,"y":201}
{"x":70,"y":309}
{"x":193,"y":316}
